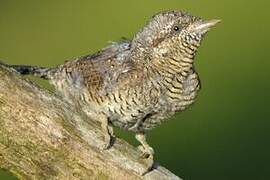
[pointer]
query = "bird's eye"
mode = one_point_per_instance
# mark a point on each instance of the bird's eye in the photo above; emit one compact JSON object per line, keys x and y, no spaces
{"x":176,"y":28}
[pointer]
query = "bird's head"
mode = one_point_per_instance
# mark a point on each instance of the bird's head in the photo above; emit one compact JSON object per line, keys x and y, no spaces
{"x":171,"y":34}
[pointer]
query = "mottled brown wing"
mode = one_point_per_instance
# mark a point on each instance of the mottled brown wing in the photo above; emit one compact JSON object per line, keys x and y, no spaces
{"x":100,"y":71}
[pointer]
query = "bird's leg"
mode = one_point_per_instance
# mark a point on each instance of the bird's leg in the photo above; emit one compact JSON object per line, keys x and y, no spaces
{"x":107,"y":130}
{"x":135,"y":126}
{"x":147,"y":150}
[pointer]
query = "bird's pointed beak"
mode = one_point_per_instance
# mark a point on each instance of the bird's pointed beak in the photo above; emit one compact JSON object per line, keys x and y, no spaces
{"x":204,"y":26}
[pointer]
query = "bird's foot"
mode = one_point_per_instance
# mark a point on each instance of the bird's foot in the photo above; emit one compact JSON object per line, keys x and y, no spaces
{"x":108,"y":142}
{"x":147,"y":152}
{"x":109,"y":136}
{"x":148,"y":155}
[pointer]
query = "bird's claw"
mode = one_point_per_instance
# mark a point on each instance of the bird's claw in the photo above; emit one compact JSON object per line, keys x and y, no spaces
{"x":108,"y":141}
{"x":147,"y":152}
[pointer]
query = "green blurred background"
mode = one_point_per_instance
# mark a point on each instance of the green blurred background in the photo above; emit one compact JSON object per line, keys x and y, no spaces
{"x":225,"y":135}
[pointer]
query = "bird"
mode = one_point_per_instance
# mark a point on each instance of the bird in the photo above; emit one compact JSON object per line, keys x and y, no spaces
{"x":135,"y":84}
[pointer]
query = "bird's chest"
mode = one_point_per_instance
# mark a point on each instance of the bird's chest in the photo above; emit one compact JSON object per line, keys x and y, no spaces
{"x":177,"y":96}
{"x":183,"y":97}
{"x":149,"y":108}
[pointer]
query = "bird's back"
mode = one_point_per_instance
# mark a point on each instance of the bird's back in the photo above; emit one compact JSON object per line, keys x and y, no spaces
{"x":107,"y":82}
{"x":98,"y":73}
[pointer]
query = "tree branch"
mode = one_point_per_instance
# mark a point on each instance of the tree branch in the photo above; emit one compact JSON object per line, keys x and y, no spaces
{"x":44,"y":137}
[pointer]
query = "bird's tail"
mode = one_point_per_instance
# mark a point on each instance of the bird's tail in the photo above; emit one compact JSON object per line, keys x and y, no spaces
{"x":41,"y":72}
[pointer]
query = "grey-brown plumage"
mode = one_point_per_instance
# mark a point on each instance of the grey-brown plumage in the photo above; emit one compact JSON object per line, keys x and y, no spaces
{"x":137,"y":84}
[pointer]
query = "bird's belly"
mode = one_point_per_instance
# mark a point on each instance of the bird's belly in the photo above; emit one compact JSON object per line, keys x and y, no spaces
{"x":126,"y":118}
{"x":146,"y":117}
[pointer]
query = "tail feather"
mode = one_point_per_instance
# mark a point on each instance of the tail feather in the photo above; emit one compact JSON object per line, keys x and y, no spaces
{"x":41,"y":72}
